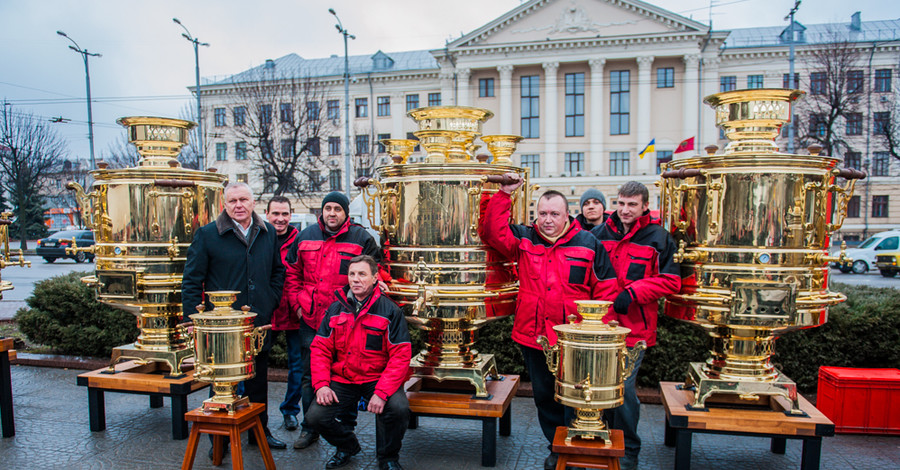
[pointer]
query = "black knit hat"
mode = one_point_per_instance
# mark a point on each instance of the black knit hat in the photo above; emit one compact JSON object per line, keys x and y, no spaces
{"x":593,"y":193}
{"x":338,"y":198}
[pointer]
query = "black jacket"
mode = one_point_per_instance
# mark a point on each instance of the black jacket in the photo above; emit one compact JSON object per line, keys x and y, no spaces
{"x":220,"y":259}
{"x":585,"y":225}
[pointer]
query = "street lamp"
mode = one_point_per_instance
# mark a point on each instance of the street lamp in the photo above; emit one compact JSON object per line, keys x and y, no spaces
{"x":196,"y":42}
{"x":791,"y":82}
{"x":346,"y":34}
{"x":87,"y":79}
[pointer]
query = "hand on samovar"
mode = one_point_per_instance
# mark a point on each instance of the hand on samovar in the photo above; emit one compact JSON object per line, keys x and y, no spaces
{"x":512,"y":181}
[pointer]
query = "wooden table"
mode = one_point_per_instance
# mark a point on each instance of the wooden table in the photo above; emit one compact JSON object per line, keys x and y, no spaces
{"x":150,"y":379}
{"x":449,"y":403}
{"x":772,"y":421}
{"x":7,"y":353}
{"x":586,"y":453}
{"x":221,"y":424}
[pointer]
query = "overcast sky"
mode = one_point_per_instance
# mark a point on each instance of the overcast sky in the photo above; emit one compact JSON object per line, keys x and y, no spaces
{"x":147,"y":65}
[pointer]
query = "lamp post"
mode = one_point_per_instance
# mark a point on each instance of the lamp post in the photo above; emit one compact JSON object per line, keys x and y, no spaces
{"x":346,"y":34}
{"x":87,"y":79}
{"x":791,"y":82}
{"x":196,"y":42}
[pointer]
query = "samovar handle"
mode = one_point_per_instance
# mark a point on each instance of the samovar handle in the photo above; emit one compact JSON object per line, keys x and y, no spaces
{"x":85,"y":204}
{"x":551,"y":352}
{"x":259,"y":338}
{"x":631,"y":356}
{"x":363,"y":183}
{"x":843,"y":194}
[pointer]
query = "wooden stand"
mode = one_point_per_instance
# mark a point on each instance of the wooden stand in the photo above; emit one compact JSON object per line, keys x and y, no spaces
{"x":587,"y":453}
{"x":774,"y":421}
{"x":150,"y":379}
{"x":221,"y":424}
{"x":6,"y":401}
{"x":444,"y":403}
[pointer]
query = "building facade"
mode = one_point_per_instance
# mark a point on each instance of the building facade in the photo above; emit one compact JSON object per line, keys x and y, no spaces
{"x":588,"y":84}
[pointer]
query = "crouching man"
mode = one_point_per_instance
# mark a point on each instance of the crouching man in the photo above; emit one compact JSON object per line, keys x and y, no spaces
{"x":361,"y":350}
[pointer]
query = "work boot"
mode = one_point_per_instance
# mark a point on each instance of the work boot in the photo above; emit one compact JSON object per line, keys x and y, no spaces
{"x":306,"y":439}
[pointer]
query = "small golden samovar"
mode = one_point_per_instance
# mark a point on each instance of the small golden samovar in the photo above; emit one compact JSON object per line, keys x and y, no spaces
{"x":144,"y":219}
{"x":225,"y":344}
{"x":445,"y":279}
{"x":591,"y":362}
{"x":753,"y":227}
{"x":5,"y":258}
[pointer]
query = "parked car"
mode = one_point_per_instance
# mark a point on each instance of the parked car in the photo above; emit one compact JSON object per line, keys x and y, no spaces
{"x":863,"y":256}
{"x":888,"y":263}
{"x":54,"y":246}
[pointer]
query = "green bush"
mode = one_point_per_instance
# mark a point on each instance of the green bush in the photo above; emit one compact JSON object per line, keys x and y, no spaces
{"x":63,"y":314}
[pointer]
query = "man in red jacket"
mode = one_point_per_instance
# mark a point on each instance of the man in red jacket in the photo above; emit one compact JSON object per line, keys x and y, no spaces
{"x":641,"y":252}
{"x":362,"y":350}
{"x":558,"y":263}
{"x":323,"y":253}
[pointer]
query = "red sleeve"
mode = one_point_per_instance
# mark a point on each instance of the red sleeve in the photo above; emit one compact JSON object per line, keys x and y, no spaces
{"x":321,"y":353}
{"x":396,"y":373}
{"x":497,"y":231}
{"x":666,"y":281}
{"x":604,"y":283}
{"x":292,"y":280}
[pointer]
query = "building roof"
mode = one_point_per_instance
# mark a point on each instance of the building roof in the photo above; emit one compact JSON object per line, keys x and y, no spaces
{"x":865,"y":31}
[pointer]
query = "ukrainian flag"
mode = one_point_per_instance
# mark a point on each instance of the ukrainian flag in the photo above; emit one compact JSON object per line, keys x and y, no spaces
{"x":651,"y":147}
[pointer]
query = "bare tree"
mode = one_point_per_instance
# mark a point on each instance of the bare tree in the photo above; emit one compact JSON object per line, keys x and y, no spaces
{"x":30,"y":152}
{"x":283,"y":128}
{"x":887,"y":131}
{"x":120,"y":153}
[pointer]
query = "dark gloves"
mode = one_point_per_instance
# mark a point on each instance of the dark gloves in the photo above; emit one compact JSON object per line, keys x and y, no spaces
{"x":622,"y":302}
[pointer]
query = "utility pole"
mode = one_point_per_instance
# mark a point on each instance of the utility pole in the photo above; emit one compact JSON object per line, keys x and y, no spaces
{"x":346,"y":34}
{"x":201,"y":162}
{"x":87,"y":80}
{"x":791,"y":81}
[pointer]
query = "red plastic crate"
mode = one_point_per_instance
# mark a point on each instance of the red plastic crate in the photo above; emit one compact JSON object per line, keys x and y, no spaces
{"x":860,"y":401}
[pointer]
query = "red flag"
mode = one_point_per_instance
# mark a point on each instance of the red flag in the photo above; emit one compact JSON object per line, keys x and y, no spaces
{"x":685,"y":145}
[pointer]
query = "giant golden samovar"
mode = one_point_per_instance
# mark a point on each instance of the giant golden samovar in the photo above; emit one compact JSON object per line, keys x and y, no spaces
{"x":445,"y":279}
{"x":225,"y":343}
{"x":5,"y":258}
{"x":144,"y":219}
{"x":753,"y":227}
{"x":591,"y":362}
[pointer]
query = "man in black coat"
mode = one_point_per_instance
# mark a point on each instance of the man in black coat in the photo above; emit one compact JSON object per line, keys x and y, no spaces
{"x":239,"y":252}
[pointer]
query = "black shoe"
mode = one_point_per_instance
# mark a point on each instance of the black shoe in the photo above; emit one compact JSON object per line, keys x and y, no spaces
{"x":225,"y":448}
{"x":274,"y":442}
{"x":341,"y":458}
{"x":550,"y":461}
{"x":290,"y":422}
{"x":306,"y":439}
{"x":390,"y":465}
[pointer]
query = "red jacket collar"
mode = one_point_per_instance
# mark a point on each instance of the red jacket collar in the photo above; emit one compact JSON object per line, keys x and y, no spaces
{"x":614,"y":224}
{"x":574,"y":227}
{"x":343,"y":293}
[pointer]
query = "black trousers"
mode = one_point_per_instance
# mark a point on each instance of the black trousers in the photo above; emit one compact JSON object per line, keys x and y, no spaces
{"x":257,"y":388}
{"x":551,"y":413}
{"x":390,"y":425}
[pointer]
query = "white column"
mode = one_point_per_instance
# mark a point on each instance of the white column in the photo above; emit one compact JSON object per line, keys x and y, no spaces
{"x":595,"y":117}
{"x":462,"y":87}
{"x":709,"y":134}
{"x":644,"y":111}
{"x":447,"y":96}
{"x":691,"y":100}
{"x":398,"y":115}
{"x":506,"y":98}
{"x":551,"y":118}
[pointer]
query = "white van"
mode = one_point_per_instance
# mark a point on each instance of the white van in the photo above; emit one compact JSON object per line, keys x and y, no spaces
{"x":863,"y":256}
{"x":301,"y":221}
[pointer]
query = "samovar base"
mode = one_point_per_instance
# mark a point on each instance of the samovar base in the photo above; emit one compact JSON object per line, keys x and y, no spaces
{"x":747,"y":391}
{"x":485,"y":366}
{"x":227,"y":404}
{"x":588,"y":424}
{"x":130,"y":352}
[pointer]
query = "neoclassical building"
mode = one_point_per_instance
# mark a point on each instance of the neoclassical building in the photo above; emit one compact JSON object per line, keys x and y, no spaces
{"x":588,"y":84}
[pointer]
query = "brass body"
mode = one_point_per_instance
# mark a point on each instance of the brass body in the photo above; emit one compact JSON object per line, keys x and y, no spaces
{"x":591,"y":362}
{"x":144,"y":219}
{"x":753,"y":227}
{"x":5,"y":258}
{"x":445,"y":279}
{"x":225,"y":344}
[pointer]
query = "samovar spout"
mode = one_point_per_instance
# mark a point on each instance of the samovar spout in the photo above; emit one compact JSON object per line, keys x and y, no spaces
{"x":551,"y":352}
{"x":629,"y":359}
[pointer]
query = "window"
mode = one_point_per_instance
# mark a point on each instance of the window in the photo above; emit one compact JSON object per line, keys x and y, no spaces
{"x":334,"y":180}
{"x":315,"y":180}
{"x":485,"y":87}
{"x":265,"y":114}
{"x":240,"y":178}
{"x":384,"y":106}
{"x":334,"y":146}
{"x":574,"y":104}
{"x":381,"y":137}
{"x":412,"y":136}
{"x":286,"y":113}
{"x":220,"y":116}
{"x":362,"y":107}
{"x":312,"y":146}
{"x":266,"y":149}
{"x":534,"y":163}
{"x":365,"y":170}
{"x":854,"y":123}
{"x":786,"y":81}
{"x":665,"y":77}
{"x":881,"y":123}
{"x":412,"y":102}
{"x":881,"y":164}
{"x":221,"y":151}
{"x":574,"y":163}
{"x":240,"y":150}
{"x":240,"y":115}
{"x":727,"y":83}
{"x":618,"y":163}
{"x":879,"y":206}
{"x":287,"y":148}
{"x":312,"y":110}
{"x":334,"y":109}
{"x":754,"y":81}
{"x":882,"y":80}
{"x":853,"y":160}
{"x":853,"y":207}
{"x":817,"y":125}
{"x":434,"y":99}
{"x":531,"y":114}
{"x":817,"y":83}
{"x":855,"y":81}
{"x":662,"y":156}
{"x":362,"y":144}
{"x":619,"y":102}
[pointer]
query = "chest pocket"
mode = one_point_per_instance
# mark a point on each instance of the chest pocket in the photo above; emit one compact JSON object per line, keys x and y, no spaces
{"x":578,"y":269}
{"x":375,"y":330}
{"x":637,"y":268}
{"x":308,"y":254}
{"x":346,"y":252}
{"x":531,"y":260}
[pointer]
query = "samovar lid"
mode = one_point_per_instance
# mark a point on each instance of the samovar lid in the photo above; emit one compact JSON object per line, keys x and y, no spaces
{"x":222,"y":301}
{"x":592,"y":313}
